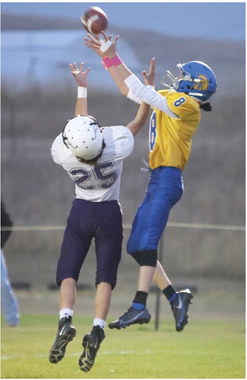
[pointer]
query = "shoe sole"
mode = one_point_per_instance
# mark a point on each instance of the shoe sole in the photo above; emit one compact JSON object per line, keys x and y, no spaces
{"x":118,"y":325}
{"x":57,"y":354}
{"x":85,"y":363}
{"x":185,"y":321}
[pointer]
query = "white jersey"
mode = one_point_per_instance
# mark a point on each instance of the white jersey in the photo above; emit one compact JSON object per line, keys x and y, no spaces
{"x":101,"y":182}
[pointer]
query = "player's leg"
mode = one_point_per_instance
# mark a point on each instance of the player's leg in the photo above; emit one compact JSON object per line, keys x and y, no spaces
{"x":67,"y":294}
{"x":66,"y":330}
{"x":102,"y":302}
{"x":9,"y":302}
{"x":150,"y":221}
{"x":91,"y":342}
{"x":179,"y":301}
{"x":137,"y":312}
{"x":108,"y":243}
{"x":160,"y":277}
{"x":73,"y":252}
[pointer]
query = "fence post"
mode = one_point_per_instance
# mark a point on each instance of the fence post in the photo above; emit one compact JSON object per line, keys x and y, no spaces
{"x":158,"y":291}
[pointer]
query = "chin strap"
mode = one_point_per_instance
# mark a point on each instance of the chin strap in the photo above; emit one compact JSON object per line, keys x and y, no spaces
{"x":206,"y":107}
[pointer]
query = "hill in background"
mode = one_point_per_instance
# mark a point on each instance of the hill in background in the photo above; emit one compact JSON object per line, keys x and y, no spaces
{"x":226,"y":57}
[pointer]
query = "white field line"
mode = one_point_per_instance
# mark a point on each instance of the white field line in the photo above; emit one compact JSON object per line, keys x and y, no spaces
{"x":120,"y":352}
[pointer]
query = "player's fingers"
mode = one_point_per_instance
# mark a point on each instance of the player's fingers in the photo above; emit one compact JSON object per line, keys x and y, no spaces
{"x":152,"y":64}
{"x":89,"y":44}
{"x":115,"y":40}
{"x":71,"y":65}
{"x":89,"y":37}
{"x":92,"y":44}
{"x":104,"y":35}
{"x":144,"y":74}
{"x":95,"y":38}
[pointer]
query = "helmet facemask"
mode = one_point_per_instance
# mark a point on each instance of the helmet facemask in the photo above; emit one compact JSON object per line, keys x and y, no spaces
{"x":184,"y":82}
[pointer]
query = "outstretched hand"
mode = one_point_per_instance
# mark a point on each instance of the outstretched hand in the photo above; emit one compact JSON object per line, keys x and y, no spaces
{"x":79,"y":75}
{"x":95,"y":43}
{"x":149,"y":77}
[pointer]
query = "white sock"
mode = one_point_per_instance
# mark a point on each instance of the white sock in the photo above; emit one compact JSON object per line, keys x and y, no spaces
{"x":65,"y":313}
{"x":99,"y":322}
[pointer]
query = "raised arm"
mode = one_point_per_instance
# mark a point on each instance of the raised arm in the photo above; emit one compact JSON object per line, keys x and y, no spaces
{"x":118,"y":74}
{"x":140,"y":119}
{"x":127,"y":82}
{"x":81,"y":78}
{"x":143,"y":111}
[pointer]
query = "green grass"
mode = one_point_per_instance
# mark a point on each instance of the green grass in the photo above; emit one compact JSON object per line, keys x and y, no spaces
{"x":212,"y":350}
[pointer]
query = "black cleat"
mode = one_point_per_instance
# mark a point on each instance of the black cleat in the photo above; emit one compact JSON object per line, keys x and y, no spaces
{"x":131,"y":317}
{"x":91,"y":343}
{"x":180,"y":308}
{"x":66,"y":332}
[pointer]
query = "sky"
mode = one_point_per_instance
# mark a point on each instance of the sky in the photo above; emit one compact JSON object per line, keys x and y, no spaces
{"x":212,"y":20}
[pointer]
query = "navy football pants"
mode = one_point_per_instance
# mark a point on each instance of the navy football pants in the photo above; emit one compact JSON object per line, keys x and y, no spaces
{"x":101,"y":221}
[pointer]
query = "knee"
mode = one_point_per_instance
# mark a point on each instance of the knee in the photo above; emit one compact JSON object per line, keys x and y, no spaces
{"x":146,"y":258}
{"x":111,"y":284}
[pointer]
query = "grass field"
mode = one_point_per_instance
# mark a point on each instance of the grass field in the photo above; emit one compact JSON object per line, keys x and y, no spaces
{"x":204,"y":350}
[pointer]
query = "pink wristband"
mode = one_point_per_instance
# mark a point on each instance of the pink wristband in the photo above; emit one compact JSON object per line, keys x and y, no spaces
{"x":109,"y":62}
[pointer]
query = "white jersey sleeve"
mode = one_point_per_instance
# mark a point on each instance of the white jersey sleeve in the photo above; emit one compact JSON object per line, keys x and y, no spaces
{"x":148,"y":95}
{"x":119,"y":140}
{"x":59,"y":151}
{"x":100,"y":182}
{"x":135,"y":99}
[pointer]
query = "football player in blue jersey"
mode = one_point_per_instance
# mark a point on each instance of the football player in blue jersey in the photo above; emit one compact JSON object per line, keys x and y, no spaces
{"x":175,"y":118}
{"x":93,"y":158}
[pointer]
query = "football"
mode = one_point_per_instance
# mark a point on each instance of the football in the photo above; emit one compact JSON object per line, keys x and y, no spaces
{"x":94,"y":20}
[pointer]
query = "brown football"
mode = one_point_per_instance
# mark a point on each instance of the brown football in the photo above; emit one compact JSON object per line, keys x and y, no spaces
{"x":94,"y":20}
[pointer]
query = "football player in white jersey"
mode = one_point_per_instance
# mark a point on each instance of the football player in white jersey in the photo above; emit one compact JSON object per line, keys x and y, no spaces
{"x":175,"y":118}
{"x":93,"y":158}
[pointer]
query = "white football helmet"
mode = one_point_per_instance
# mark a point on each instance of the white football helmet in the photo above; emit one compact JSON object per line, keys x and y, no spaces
{"x":83,"y":137}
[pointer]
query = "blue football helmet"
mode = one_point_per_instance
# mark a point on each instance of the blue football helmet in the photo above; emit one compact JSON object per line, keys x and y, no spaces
{"x":196,"y":79}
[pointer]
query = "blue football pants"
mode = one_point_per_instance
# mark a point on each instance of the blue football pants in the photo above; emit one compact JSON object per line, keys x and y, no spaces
{"x":164,"y":190}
